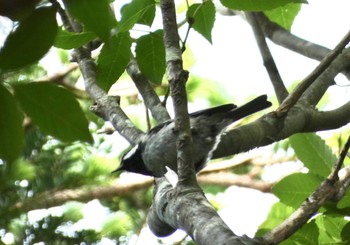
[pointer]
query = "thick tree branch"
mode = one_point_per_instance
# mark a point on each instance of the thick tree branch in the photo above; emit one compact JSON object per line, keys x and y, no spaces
{"x":262,"y":131}
{"x":269,"y":63}
{"x":167,"y":213}
{"x":202,"y":223}
{"x":325,"y":120}
{"x":269,"y":128}
{"x":177,"y":81}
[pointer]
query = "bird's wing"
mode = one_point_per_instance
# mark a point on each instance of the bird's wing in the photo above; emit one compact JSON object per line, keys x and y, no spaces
{"x":158,"y":127}
{"x":214,"y":110}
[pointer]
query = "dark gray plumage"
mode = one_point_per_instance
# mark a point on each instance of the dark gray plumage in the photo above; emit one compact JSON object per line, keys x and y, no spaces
{"x":158,"y":148}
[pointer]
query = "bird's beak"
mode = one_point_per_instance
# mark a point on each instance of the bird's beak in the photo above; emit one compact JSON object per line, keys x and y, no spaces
{"x":120,"y":168}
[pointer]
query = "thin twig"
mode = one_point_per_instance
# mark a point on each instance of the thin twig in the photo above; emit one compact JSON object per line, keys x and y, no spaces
{"x":286,"y":39}
{"x":166,"y":96}
{"x":229,"y":179}
{"x":340,"y":161}
{"x":60,"y":79}
{"x":190,"y":21}
{"x":150,"y":98}
{"x":269,"y":63}
{"x":300,"y":89}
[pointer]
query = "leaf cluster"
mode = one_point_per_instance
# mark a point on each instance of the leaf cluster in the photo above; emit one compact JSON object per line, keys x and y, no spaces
{"x":329,"y":224}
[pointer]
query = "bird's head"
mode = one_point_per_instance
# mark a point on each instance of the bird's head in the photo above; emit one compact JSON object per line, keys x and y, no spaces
{"x":132,"y":162}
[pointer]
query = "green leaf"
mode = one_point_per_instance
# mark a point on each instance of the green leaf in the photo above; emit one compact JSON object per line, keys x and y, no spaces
{"x":11,"y":130}
{"x":203,"y":16}
{"x":113,"y":59}
{"x":295,"y":188}
{"x":345,"y":201}
{"x":150,"y":55}
{"x":314,"y":153}
{"x":330,"y":229}
{"x":55,"y":110}
{"x":284,"y":15}
{"x":345,"y":233}
{"x":31,"y":39}
{"x":17,"y":9}
{"x":138,"y":11}
{"x":257,"y":5}
{"x":278,"y":213}
{"x":70,"y":40}
{"x":307,"y":235}
{"x":96,"y":16}
{"x":147,"y":16}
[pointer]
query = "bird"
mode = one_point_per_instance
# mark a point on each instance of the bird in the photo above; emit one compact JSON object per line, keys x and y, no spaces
{"x":157,"y":148}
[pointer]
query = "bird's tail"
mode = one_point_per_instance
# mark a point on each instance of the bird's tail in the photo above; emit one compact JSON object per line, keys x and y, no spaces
{"x":249,"y":108}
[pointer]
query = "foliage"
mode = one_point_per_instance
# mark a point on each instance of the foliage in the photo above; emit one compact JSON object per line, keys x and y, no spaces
{"x":49,"y":139}
{"x":113,"y":59}
{"x":11,"y":126}
{"x":284,"y":15}
{"x":203,"y":17}
{"x":16,"y":52}
{"x":150,"y":55}
{"x":328,"y":225}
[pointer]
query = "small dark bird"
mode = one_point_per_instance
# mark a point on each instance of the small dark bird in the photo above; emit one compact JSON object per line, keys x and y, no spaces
{"x":157,"y":149}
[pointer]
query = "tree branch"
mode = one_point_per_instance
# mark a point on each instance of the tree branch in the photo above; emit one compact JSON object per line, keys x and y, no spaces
{"x":300,"y":89}
{"x":106,"y":107}
{"x":325,"y":120}
{"x":59,"y":78}
{"x":165,"y":215}
{"x":202,"y":223}
{"x":229,"y":179}
{"x":148,"y":94}
{"x":269,"y":128}
{"x":316,"y":90}
{"x":177,"y":81}
{"x":284,"y":38}
{"x":55,"y":198}
{"x":269,"y":63}
{"x":121,"y":187}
